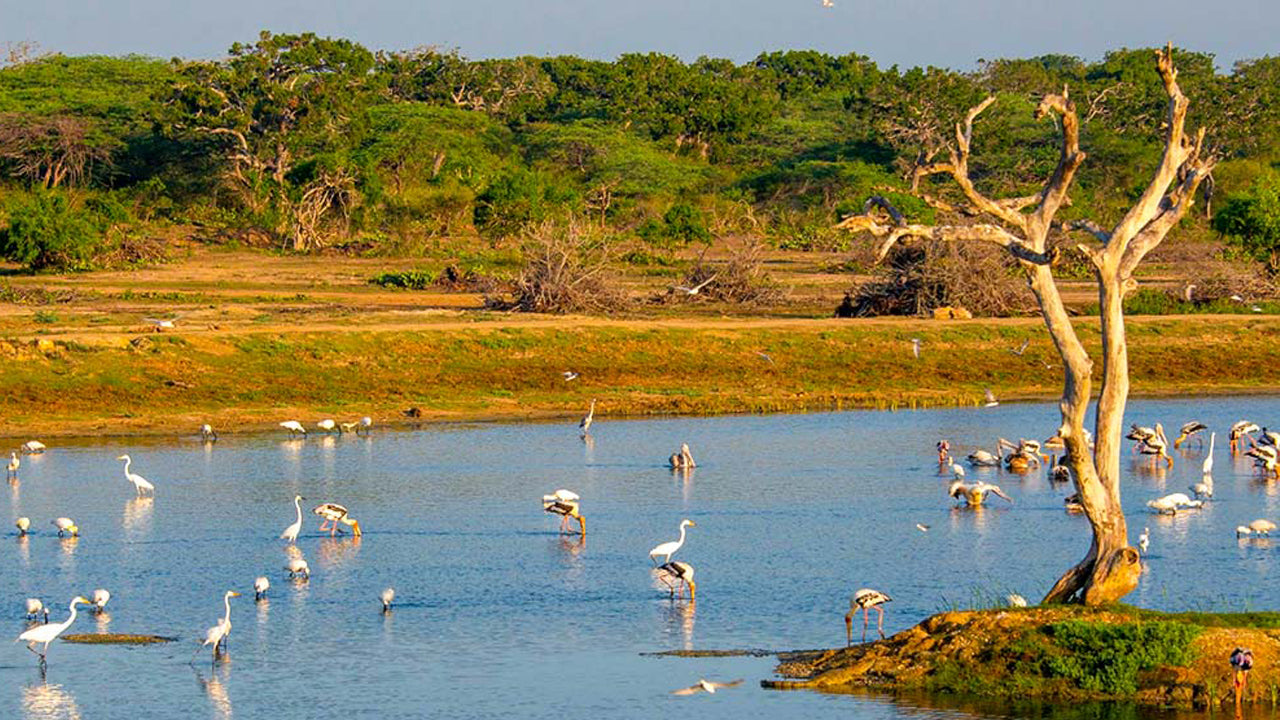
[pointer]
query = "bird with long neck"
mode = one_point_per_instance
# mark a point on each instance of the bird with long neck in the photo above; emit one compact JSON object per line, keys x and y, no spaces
{"x":140,"y":484}
{"x":667,"y":549}
{"x":217,"y":635}
{"x":584,"y":427}
{"x":49,"y":632}
{"x":290,"y":533}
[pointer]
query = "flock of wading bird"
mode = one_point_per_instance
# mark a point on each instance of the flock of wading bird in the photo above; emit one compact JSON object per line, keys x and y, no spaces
{"x":678,"y":576}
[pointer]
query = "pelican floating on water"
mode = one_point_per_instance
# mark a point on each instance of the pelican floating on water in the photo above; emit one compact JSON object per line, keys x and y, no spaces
{"x":682,"y":460}
{"x":864,"y":599}
{"x":667,"y":549}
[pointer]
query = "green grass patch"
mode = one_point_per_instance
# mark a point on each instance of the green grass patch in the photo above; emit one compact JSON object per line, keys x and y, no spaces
{"x":420,"y":279}
{"x":1107,"y":657}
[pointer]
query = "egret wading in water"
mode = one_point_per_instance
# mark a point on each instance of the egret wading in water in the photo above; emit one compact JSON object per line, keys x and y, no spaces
{"x":290,"y":533}
{"x":217,"y":635}
{"x":332,"y":514}
{"x":14,"y":464}
{"x":140,"y":484}
{"x":584,"y":426}
{"x":565,"y":504}
{"x":865,"y":599}
{"x":387,"y":597}
{"x":1144,"y":540}
{"x":49,"y":632}
{"x":667,"y":549}
{"x":66,"y":525}
{"x":676,"y":575}
{"x":260,"y":586}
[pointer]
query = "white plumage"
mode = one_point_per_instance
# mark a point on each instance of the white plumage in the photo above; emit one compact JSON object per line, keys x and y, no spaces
{"x":140,"y":484}
{"x":294,"y":427}
{"x":49,"y":632}
{"x":260,"y":586}
{"x":1172,"y":503}
{"x":100,"y":599}
{"x":298,"y":566}
{"x":667,"y":549}
{"x":66,"y":525}
{"x":290,"y":533}
{"x":387,"y":597}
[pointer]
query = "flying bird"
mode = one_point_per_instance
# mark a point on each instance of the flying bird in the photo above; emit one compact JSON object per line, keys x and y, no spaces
{"x":708,"y":685}
{"x":828,"y":3}
{"x":922,"y":527}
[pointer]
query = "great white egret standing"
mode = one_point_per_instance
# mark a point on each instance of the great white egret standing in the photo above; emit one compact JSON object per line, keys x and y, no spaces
{"x":291,"y":533}
{"x":49,"y":632}
{"x":14,"y":464}
{"x":217,"y":635}
{"x":667,"y":549}
{"x":140,"y":484}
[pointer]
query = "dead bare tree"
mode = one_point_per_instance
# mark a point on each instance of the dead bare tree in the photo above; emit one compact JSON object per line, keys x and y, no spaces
{"x":1021,"y":225}
{"x":51,"y":151}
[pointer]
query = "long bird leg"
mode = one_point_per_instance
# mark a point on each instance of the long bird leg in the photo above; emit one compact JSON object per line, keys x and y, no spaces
{"x":848,"y":627}
{"x":880,"y":622}
{"x":865,"y":620}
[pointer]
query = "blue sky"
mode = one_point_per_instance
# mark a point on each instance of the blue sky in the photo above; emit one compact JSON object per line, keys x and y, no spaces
{"x":949,"y":33}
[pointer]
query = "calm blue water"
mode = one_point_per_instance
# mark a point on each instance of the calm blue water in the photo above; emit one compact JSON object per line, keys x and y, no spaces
{"x":498,"y":617}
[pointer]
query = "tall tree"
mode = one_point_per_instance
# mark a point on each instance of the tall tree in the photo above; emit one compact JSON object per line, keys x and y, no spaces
{"x":1022,"y":225}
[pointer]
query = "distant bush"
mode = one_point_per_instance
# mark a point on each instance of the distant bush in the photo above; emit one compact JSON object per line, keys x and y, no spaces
{"x":1251,"y":221}
{"x":919,"y":277}
{"x":681,"y":225}
{"x":1107,"y":657}
{"x":518,"y":200}
{"x":567,"y":270}
{"x":46,"y":230}
{"x":405,"y":279}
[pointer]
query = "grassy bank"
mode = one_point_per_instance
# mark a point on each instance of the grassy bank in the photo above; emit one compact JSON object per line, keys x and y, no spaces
{"x":511,"y":368}
{"x":1057,"y":653}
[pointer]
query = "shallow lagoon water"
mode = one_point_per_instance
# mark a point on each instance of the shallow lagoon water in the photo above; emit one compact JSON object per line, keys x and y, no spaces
{"x":498,"y":616}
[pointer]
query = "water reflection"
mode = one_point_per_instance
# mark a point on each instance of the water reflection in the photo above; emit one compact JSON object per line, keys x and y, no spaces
{"x":336,"y":552}
{"x":24,"y":550}
{"x":678,"y":618}
{"x":43,"y":701}
{"x":215,"y":689}
{"x":137,"y":516}
{"x":102,"y":620}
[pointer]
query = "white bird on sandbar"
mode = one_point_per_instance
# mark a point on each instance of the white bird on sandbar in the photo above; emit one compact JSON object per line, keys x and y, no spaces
{"x":667,"y":549}
{"x":49,"y":632}
{"x":294,"y":427}
{"x":1172,"y":503}
{"x":140,"y":484}
{"x":864,"y":599}
{"x":291,"y":533}
{"x":1257,"y":527}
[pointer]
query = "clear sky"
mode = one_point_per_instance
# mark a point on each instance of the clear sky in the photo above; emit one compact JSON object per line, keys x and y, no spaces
{"x":949,"y":33}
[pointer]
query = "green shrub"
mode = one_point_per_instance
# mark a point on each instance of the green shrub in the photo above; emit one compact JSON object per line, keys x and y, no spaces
{"x":518,"y":200}
{"x":1107,"y":657}
{"x":681,"y":224}
{"x":406,"y":279}
{"x":47,"y":231}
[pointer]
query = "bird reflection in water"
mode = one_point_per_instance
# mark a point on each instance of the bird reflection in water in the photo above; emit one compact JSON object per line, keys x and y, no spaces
{"x":336,"y":552}
{"x":215,"y":689}
{"x":102,"y":619}
{"x":678,"y":618}
{"x":1156,"y":473}
{"x":68,"y":545}
{"x":24,"y":550}
{"x":137,"y":514}
{"x":569,"y":550}
{"x":972,"y":516}
{"x":48,"y":702}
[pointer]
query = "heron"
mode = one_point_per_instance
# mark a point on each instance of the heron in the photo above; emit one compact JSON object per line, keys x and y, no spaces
{"x":332,"y":514}
{"x":217,"y":635}
{"x":676,"y":574}
{"x":387,"y":596}
{"x":1188,"y":429}
{"x":140,"y":484}
{"x":260,"y":586}
{"x":974,"y":493}
{"x":864,"y":599}
{"x":100,"y":598}
{"x":704,"y":685}
{"x":49,"y":632}
{"x":35,"y":609}
{"x":66,"y":525}
{"x":565,"y":504}
{"x":667,"y":549}
{"x":691,"y":291}
{"x":23,"y":524}
{"x":584,"y":426}
{"x":14,"y":464}
{"x":207,"y":433}
{"x":290,"y":533}
{"x":298,"y":566}
{"x":294,"y":427}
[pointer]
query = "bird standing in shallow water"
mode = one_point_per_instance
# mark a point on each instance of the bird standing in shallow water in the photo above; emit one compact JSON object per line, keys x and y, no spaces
{"x":667,"y":549}
{"x":565,"y":504}
{"x":333,"y":514}
{"x":865,"y":599}
{"x":49,"y":632}
{"x":294,"y":427}
{"x":100,"y":599}
{"x":676,"y":574}
{"x":66,"y":525}
{"x":1144,"y":540}
{"x":207,"y":433}
{"x":23,"y":524}
{"x":260,"y":586}
{"x":14,"y":464}
{"x":1189,"y":429}
{"x":140,"y":484}
{"x":217,"y":635}
{"x":584,"y":426}
{"x":298,"y":567}
{"x":290,"y":533}
{"x":387,"y":596}
{"x":35,"y":609}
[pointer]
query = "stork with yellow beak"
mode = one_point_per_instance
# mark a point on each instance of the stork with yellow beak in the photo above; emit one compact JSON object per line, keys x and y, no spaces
{"x":565,"y":504}
{"x":865,"y":599}
{"x":676,"y":574}
{"x":332,"y":514}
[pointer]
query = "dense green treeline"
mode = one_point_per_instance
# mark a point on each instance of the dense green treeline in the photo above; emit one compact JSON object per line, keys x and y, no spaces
{"x":307,"y":142}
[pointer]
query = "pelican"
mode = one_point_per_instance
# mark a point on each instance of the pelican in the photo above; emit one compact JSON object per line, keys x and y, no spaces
{"x":584,"y":427}
{"x":14,"y":464}
{"x":1139,"y":434}
{"x":66,"y":525}
{"x":667,"y":549}
{"x":291,"y":533}
{"x":260,"y":586}
{"x":100,"y":598}
{"x":865,"y":599}
{"x":1257,"y":527}
{"x":327,"y":425}
{"x":974,"y":493}
{"x":333,"y":514}
{"x":1144,"y":540}
{"x":1207,"y":467}
{"x":1016,"y":600}
{"x":704,"y":685}
{"x":682,"y":460}
{"x":47,"y":633}
{"x":140,"y":484}
{"x":207,"y":433}
{"x":35,"y":609}
{"x":23,"y":524}
{"x":675,"y":574}
{"x":294,"y":427}
{"x":33,"y":447}
{"x":217,"y":635}
{"x":1156,"y":445}
{"x":1189,"y":429}
{"x":1265,"y":456}
{"x":1173,"y":502}
{"x":298,"y":566}
{"x":982,"y":458}
{"x":565,"y":504}
{"x":1239,"y":430}
{"x":387,"y":596}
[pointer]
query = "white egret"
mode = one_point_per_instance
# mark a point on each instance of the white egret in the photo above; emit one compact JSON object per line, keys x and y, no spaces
{"x":1207,"y":467}
{"x":23,"y":524}
{"x":327,"y":425}
{"x":66,"y":525}
{"x":387,"y":596}
{"x":217,"y":635}
{"x":676,"y":574}
{"x":291,"y":533}
{"x":100,"y":598}
{"x":333,"y":513}
{"x":260,"y":586}
{"x":49,"y":632}
{"x":1144,"y":540}
{"x":667,"y":549}
{"x":140,"y":484}
{"x":35,"y":609}
{"x":33,"y":447}
{"x":14,"y":464}
{"x":294,"y":427}
{"x":298,"y":566}
{"x":161,"y":324}
{"x":704,"y":685}
{"x":864,"y":599}
{"x":565,"y":504}
{"x":584,"y":426}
